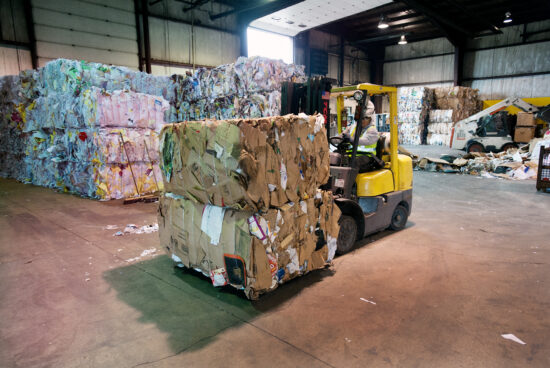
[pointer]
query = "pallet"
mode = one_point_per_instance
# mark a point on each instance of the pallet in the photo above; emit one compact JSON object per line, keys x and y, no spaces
{"x":148,"y":198}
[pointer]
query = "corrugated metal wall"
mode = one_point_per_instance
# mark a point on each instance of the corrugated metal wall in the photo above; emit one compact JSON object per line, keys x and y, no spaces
{"x":425,"y":69}
{"x":13,"y":58}
{"x":171,"y":41}
{"x":356,"y":67}
{"x":93,"y":30}
{"x":492,"y":70}
{"x":493,"y":64}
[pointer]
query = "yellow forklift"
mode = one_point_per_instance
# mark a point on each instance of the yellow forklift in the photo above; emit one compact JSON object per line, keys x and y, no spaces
{"x":369,"y":201}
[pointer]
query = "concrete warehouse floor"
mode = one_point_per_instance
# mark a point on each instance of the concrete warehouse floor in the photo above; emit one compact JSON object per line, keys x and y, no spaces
{"x":472,"y":264}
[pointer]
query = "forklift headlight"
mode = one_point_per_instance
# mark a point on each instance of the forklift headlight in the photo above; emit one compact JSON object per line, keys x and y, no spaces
{"x":358,"y":95}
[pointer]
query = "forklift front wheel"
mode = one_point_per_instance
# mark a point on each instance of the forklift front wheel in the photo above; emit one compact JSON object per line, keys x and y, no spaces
{"x":347,"y":235}
{"x":399,"y":218}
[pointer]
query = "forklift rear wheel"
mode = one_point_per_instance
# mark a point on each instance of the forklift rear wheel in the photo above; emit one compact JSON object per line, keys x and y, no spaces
{"x":399,"y":218}
{"x":475,"y":147}
{"x":347,"y":236}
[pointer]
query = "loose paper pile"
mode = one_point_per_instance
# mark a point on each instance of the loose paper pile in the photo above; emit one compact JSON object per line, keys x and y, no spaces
{"x":515,"y":164}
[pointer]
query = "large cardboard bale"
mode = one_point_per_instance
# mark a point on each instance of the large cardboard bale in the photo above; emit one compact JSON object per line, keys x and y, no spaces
{"x":247,"y":164}
{"x":464,"y":101}
{"x":250,"y":251}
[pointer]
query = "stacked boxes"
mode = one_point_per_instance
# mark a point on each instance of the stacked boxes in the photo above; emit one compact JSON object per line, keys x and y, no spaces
{"x":242,"y":203}
{"x":525,"y":127}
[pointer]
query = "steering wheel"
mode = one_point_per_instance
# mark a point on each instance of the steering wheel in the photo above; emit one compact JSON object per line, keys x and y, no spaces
{"x":342,"y":143}
{"x":339,"y":140}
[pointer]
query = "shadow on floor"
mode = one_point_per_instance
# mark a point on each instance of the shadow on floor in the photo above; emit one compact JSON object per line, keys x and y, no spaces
{"x":185,"y":305}
{"x":370,"y":239}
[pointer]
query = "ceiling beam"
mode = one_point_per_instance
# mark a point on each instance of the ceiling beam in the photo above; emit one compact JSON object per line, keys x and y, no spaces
{"x":468,"y":13}
{"x":257,"y":9}
{"x":436,"y":17}
{"x":454,"y":32}
{"x":393,"y":25}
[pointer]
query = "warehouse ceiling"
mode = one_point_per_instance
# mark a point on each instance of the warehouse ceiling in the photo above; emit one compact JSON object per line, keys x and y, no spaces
{"x":357,"y":20}
{"x":312,"y":13}
{"x":425,"y":19}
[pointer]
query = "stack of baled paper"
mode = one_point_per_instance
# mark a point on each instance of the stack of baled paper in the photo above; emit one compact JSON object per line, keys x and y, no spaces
{"x":242,"y":202}
{"x":246,"y":164}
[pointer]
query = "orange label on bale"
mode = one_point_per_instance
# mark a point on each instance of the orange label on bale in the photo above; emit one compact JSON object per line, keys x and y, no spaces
{"x":273,"y":266}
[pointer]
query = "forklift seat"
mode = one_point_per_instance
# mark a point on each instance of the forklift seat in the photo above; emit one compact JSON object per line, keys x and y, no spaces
{"x":380,"y":146}
{"x":335,"y":159}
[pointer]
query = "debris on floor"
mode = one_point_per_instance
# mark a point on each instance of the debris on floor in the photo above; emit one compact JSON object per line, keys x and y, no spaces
{"x":513,"y":338}
{"x":134,"y":229}
{"x":147,"y":252}
{"x":515,"y":164}
{"x":367,"y":301}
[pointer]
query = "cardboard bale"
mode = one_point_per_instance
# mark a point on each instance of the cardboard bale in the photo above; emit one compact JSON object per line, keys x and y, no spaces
{"x":272,"y":247}
{"x":464,"y":101}
{"x":247,"y":164}
{"x":524,"y":134}
{"x":525,"y":119}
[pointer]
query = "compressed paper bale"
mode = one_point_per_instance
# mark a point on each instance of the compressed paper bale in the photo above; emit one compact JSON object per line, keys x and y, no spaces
{"x":78,"y":95}
{"x":246,"y":163}
{"x":275,"y":246}
{"x":464,"y":101}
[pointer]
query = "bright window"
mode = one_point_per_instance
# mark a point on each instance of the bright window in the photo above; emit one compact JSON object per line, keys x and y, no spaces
{"x":270,"y":45}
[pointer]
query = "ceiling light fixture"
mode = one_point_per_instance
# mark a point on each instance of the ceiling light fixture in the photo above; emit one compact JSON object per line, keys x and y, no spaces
{"x":302,"y":25}
{"x":508,"y":18}
{"x":382,"y":24}
{"x":276,"y":18}
{"x":289,"y":22}
{"x":402,"y":40}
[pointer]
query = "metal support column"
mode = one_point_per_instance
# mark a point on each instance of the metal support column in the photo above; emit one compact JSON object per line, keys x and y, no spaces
{"x":458,"y":65}
{"x":138,"y":35}
{"x":30,"y":32}
{"x":341,"y":63}
{"x":146,"y":35}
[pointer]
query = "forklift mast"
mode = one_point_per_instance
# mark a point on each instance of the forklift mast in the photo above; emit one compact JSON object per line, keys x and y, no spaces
{"x":310,"y":98}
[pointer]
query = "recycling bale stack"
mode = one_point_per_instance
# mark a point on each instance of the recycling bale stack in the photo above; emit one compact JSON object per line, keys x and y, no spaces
{"x":463,"y":101}
{"x":12,"y":113}
{"x":248,"y":88}
{"x":75,"y":142}
{"x":440,"y":127}
{"x":242,"y":203}
{"x":413,"y":105}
